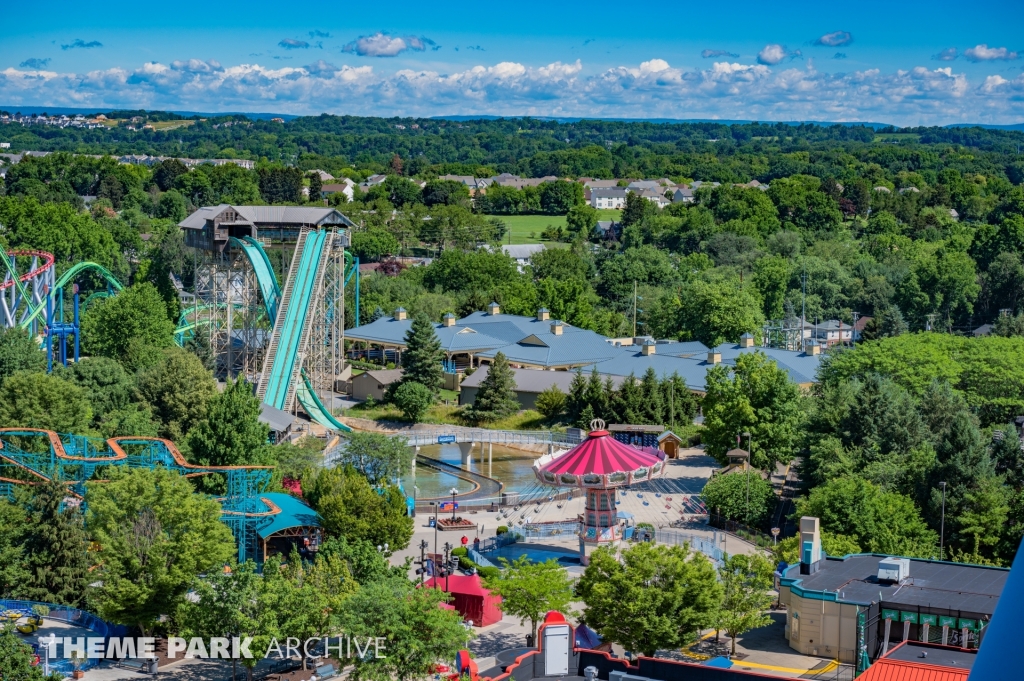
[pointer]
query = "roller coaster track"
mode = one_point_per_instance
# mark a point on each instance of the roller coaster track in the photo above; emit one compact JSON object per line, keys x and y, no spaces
{"x":62,"y":281}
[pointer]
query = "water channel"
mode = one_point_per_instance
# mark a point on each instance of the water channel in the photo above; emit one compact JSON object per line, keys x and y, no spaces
{"x":513,"y":467}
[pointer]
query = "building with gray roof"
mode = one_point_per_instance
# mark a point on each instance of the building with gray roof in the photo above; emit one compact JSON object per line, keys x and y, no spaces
{"x":529,"y":384}
{"x":211,"y":227}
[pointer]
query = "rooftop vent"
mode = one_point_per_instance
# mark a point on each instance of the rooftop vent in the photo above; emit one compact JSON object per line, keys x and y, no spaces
{"x":556,"y":327}
{"x":494,"y":308}
{"x":746,"y":341}
{"x":543,"y":314}
{"x":714,"y":357}
{"x":893,"y":570}
{"x":648,"y":348}
{"x":812,"y":348}
{"x":400,"y":314}
{"x":448,"y":319}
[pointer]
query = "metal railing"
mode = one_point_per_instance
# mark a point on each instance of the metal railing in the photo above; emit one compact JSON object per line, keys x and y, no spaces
{"x":707,"y":546}
{"x":430,"y":436}
{"x":69,"y":615}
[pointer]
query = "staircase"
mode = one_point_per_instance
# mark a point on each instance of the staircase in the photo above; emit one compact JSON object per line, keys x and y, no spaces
{"x":282,"y":307}
{"x":314,"y":302}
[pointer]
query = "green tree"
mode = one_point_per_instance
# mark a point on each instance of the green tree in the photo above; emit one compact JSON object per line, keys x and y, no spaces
{"x":719,"y":310}
{"x":581,"y":221}
{"x":280,"y":184}
{"x":18,"y":352}
{"x":231,"y":433}
{"x":223,"y":605}
{"x":560,"y":196}
{"x":880,"y":522}
{"x":551,"y":402}
{"x":759,"y":399}
{"x":171,"y":206}
{"x":381,"y":458}
{"x":137,"y":314}
{"x":365,"y":563}
{"x":745,"y":497}
{"x":179,"y":388}
{"x":445,"y":193}
{"x":568,"y":300}
{"x":672,"y":594}
{"x":370,"y":245}
{"x":421,"y":361}
{"x":55,"y":548}
{"x":746,"y":583}
{"x":38,"y":400}
{"x":155,"y":536}
{"x":529,"y":589}
{"x":637,"y":208}
{"x":399,"y":614}
{"x":167,"y":171}
{"x":576,"y":400}
{"x":13,"y":528}
{"x":17,"y":658}
{"x":413,"y":399}
{"x":771,"y":277}
{"x":496,"y":397}
{"x":108,"y":387}
{"x":316,"y":185}
{"x":835,"y":545}
{"x":350,"y":507}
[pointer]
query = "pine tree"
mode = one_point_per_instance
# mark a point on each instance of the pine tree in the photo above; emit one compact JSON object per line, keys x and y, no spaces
{"x":586,"y":416}
{"x":55,"y":548}
{"x":595,"y":395}
{"x":423,"y":356}
{"x":680,"y":405}
{"x":630,"y":401}
{"x":610,"y":398}
{"x":496,"y":397}
{"x":577,"y":396}
{"x":653,"y":409}
{"x":316,"y":185}
{"x":893,"y":323}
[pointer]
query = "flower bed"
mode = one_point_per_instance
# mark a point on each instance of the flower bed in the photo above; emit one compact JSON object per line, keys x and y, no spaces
{"x":458,"y":523}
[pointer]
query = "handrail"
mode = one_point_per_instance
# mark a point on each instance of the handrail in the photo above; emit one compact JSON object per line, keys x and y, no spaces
{"x":428,"y":436}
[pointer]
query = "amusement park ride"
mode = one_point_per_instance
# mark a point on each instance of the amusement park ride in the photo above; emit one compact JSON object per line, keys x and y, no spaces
{"x":288,"y":342}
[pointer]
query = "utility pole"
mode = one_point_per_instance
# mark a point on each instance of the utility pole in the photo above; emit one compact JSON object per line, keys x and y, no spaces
{"x":803,"y":306}
{"x":750,"y":457}
{"x":853,"y":331}
{"x":634,"y":308}
{"x":422,"y":570}
{"x":942,"y":524}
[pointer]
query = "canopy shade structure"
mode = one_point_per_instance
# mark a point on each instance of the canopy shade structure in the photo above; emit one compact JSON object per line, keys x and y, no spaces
{"x":600,"y":461}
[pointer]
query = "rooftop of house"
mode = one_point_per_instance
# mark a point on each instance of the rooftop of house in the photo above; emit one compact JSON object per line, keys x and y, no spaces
{"x":609,"y":193}
{"x":522,"y":251}
{"x":936,"y":585}
{"x":383,"y":376}
{"x":531,"y":380}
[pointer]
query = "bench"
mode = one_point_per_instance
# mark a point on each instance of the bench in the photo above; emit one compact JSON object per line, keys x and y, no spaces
{"x":325,"y":671}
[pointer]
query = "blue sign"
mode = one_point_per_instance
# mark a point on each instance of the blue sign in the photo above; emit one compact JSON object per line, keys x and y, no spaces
{"x":447,"y":506}
{"x":445,"y":439}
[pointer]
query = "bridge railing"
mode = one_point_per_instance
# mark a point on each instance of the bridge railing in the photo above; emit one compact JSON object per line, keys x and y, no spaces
{"x":443,"y":435}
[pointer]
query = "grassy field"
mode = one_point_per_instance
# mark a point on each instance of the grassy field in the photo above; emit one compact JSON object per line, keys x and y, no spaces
{"x":526,"y":229}
{"x":171,"y":125}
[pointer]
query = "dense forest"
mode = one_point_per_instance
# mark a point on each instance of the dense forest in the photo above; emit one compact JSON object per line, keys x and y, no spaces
{"x":920,"y":229}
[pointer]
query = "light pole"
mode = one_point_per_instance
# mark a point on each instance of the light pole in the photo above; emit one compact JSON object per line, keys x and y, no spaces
{"x":942,"y":524}
{"x":423,"y":560}
{"x":750,"y":456}
{"x":447,"y":568}
{"x":454,"y":492}
{"x":434,"y":504}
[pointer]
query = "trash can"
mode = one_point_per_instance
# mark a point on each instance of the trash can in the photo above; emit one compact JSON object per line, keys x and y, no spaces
{"x":529,"y":640}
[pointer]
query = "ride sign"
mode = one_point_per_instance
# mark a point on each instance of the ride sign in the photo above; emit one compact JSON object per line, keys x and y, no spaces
{"x":448,"y":506}
{"x":445,"y":439}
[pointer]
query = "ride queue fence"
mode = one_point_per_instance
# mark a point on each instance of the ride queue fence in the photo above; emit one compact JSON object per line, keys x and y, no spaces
{"x":706,"y":545}
{"x":72,"y":616}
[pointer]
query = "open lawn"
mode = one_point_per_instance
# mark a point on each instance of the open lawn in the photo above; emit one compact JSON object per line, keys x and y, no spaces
{"x":526,"y":229}
{"x":171,"y":125}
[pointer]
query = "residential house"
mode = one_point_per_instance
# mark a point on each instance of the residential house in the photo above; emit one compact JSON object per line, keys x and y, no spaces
{"x":343,"y":186}
{"x":655,"y":196}
{"x":610,"y":198}
{"x":372,"y":181}
{"x":833,"y":332}
{"x":522,"y":253}
{"x":682,"y":194}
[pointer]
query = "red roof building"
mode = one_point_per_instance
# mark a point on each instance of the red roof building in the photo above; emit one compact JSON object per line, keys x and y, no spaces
{"x":471,"y":599}
{"x":917,"y":661}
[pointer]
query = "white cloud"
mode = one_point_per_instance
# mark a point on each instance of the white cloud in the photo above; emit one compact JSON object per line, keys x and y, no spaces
{"x":652,"y":89}
{"x":774,"y":53}
{"x":383,"y":45}
{"x":835,"y":39}
{"x":985,"y":53}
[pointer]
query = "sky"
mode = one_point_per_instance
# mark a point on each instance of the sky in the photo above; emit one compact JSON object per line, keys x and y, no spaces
{"x":902,"y":62}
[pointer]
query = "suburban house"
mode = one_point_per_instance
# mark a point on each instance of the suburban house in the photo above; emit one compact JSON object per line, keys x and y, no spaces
{"x":510,"y":180}
{"x":374,"y":383}
{"x":655,"y":196}
{"x":211,"y":227}
{"x":609,"y":198}
{"x":682,"y":194}
{"x":372,"y":181}
{"x":833,"y":332}
{"x":343,"y":186}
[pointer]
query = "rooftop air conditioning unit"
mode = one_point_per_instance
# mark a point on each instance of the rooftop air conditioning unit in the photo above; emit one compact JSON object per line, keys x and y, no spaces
{"x":893,"y":569}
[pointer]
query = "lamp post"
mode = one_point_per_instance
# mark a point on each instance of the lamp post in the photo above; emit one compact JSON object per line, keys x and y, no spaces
{"x":454,"y":492}
{"x":750,"y":456}
{"x":942,"y":524}
{"x":447,"y":568}
{"x":434,"y":504}
{"x":423,"y":560}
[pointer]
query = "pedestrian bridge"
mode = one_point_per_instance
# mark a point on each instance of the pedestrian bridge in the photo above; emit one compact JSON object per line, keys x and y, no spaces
{"x":422,"y":437}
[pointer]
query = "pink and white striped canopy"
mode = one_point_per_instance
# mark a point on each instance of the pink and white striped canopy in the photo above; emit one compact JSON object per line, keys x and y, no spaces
{"x":599,"y":461}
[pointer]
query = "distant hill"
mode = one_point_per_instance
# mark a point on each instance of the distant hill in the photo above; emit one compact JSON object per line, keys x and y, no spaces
{"x":72,"y":111}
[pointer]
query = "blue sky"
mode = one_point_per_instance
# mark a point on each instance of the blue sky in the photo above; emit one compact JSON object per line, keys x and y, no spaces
{"x":902,"y":62}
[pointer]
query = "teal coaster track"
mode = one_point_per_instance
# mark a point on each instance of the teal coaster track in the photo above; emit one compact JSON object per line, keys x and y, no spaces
{"x":30,"y":455}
